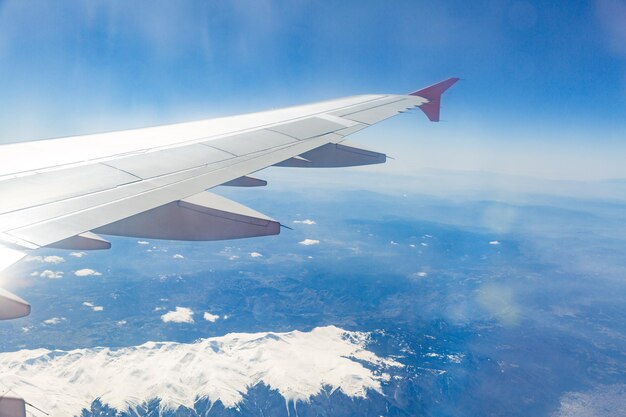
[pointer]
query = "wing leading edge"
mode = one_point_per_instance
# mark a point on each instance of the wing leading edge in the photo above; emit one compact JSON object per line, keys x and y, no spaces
{"x":152,"y":182}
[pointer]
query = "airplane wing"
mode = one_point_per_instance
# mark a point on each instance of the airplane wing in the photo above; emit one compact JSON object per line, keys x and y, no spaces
{"x":152,"y":182}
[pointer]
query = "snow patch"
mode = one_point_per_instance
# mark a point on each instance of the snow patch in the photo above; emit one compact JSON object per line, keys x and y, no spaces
{"x":297,"y":364}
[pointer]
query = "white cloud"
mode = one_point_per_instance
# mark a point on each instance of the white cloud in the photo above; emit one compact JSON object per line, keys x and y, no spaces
{"x":78,"y":254}
{"x":420,"y":274}
{"x":51,"y":274}
{"x":499,"y":302}
{"x":298,"y":365}
{"x":602,"y":400}
{"x":233,"y":257}
{"x":92,"y":306}
{"x":121,"y":323}
{"x":494,"y":242}
{"x":180,"y":315}
{"x":178,"y":256}
{"x":52,"y":259}
{"x":255,"y":255}
{"x":309,"y":242}
{"x":210,"y":317}
{"x":393,"y":242}
{"x":143,"y":242}
{"x":305,"y":221}
{"x":458,"y":358}
{"x":54,"y":320}
{"x":86,"y":272}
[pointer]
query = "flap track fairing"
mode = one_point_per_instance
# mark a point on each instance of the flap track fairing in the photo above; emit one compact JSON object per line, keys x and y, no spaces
{"x":201,"y":217}
{"x":334,"y":155}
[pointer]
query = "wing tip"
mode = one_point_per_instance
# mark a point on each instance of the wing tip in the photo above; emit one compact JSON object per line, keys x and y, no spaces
{"x":433,"y":94}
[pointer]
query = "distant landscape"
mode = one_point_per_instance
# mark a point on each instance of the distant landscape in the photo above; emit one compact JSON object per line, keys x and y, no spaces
{"x":490,"y":302}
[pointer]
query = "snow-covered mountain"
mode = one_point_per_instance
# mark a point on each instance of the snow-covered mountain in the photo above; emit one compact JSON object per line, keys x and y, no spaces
{"x":296,"y":365}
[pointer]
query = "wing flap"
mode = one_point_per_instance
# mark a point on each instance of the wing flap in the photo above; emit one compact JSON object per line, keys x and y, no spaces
{"x":246,"y":143}
{"x":41,"y":188}
{"x":167,"y":161}
{"x":309,"y":127}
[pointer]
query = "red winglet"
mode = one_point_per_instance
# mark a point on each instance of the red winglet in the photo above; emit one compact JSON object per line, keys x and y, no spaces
{"x":433,"y":95}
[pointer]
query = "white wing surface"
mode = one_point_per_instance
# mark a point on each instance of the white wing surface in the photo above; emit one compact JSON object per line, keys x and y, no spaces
{"x":152,"y":182}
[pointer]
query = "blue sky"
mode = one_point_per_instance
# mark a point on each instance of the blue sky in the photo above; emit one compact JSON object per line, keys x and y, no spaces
{"x":543,"y":90}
